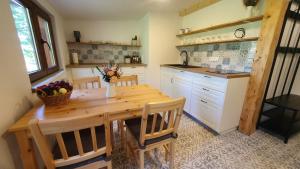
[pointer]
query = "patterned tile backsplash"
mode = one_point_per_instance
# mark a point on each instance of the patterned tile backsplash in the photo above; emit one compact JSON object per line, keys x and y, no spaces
{"x":236,"y":56}
{"x":102,"y":53}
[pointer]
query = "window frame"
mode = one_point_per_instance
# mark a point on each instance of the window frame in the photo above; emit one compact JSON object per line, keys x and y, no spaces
{"x":34,"y":12}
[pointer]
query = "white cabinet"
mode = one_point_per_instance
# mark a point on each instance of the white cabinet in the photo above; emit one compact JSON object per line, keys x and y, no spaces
{"x":182,"y":87}
{"x":90,"y":72}
{"x":139,"y":71}
{"x":216,"y":102}
{"x":206,"y":103}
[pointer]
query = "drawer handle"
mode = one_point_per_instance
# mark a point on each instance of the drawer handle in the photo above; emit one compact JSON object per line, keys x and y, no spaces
{"x":207,"y":76}
{"x":205,"y":89}
{"x":203,"y":101}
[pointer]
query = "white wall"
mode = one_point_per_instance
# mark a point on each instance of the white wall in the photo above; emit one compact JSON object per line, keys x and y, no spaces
{"x":15,"y":87}
{"x":144,"y":37}
{"x":159,"y":43}
{"x":222,"y":12}
{"x":101,"y":30}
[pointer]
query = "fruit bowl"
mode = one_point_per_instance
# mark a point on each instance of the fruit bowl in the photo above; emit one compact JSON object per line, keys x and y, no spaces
{"x":55,"y":93}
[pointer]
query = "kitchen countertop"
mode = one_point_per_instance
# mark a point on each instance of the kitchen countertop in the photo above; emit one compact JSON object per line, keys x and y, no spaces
{"x":88,"y":65}
{"x":212,"y":72}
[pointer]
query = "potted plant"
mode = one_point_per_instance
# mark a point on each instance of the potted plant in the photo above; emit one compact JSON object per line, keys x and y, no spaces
{"x":110,"y":72}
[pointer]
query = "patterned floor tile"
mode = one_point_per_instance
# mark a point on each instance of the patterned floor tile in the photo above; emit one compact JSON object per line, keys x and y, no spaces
{"x":197,"y":148}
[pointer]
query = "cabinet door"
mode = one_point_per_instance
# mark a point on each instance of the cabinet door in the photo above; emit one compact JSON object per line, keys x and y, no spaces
{"x":83,"y":72}
{"x":182,"y":87}
{"x":139,"y":71}
{"x":166,"y":80}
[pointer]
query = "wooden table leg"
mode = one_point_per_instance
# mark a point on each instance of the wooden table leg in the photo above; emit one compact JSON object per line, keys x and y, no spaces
{"x":26,"y":150}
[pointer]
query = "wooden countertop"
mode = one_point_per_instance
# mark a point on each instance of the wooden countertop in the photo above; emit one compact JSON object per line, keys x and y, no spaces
{"x":88,"y":65}
{"x":211,"y":72}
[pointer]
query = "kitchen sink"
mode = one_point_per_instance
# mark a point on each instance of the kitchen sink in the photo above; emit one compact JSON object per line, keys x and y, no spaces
{"x":183,"y":66}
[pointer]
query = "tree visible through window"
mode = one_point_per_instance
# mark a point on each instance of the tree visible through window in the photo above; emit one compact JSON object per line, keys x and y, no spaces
{"x":25,"y":33}
{"x":34,"y":30}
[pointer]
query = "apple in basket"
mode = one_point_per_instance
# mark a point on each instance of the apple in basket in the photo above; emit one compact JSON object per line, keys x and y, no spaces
{"x":55,"y":93}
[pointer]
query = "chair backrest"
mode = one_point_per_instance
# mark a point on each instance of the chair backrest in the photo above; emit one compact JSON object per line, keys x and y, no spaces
{"x":125,"y":81}
{"x":42,"y":129}
{"x":165,"y":119}
{"x":84,"y":83}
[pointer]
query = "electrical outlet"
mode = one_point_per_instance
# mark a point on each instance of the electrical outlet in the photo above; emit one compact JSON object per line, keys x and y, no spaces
{"x":213,"y":59}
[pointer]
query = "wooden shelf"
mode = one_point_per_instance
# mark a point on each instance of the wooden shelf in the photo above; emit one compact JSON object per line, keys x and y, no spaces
{"x":238,"y":22}
{"x":222,"y":41}
{"x":102,"y":43}
{"x":89,"y":65}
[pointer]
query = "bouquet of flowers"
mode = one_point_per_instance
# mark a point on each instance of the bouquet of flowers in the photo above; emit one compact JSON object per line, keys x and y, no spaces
{"x":109,"y":72}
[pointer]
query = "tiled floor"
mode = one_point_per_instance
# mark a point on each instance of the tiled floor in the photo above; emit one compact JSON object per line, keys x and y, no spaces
{"x":198,"y":148}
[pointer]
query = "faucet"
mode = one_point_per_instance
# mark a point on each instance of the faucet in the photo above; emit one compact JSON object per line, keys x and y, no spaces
{"x":186,"y":59}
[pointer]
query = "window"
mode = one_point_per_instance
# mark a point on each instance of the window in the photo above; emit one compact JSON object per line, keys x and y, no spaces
{"x":36,"y":38}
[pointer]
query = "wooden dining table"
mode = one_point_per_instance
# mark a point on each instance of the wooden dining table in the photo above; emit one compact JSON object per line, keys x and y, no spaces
{"x":128,"y":103}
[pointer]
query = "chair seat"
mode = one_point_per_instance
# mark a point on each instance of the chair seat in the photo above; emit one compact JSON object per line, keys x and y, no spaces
{"x":83,"y":163}
{"x":134,"y":125}
{"x":86,"y":139}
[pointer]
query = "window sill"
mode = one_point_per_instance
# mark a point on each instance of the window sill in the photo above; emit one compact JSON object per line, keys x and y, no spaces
{"x":47,"y":80}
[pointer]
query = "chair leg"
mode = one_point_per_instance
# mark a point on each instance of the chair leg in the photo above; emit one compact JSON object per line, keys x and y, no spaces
{"x":109,"y":165}
{"x":167,"y":153}
{"x":127,"y":148}
{"x":141,"y":154}
{"x":122,"y":132}
{"x":171,"y":165}
{"x":112,"y":134}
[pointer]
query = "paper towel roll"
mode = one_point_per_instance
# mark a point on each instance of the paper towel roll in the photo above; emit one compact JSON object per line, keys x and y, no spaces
{"x":75,"y":58}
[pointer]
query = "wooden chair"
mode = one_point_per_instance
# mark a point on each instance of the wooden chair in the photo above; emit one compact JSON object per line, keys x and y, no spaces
{"x":125,"y":81}
{"x":157,"y":127}
{"x":84,"y":83}
{"x":82,"y":143}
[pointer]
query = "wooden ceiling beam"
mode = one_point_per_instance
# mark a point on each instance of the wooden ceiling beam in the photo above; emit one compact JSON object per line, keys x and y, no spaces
{"x":199,"y":5}
{"x":265,"y":51}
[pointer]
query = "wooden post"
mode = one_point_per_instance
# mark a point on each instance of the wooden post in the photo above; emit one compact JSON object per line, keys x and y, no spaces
{"x":268,"y":39}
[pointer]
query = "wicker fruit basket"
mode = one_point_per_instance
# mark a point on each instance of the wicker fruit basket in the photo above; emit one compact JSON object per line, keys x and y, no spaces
{"x":55,"y":93}
{"x":55,"y":100}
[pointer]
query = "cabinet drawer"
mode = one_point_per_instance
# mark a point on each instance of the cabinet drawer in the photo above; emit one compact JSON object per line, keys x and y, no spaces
{"x":133,"y":70}
{"x":211,"y":82}
{"x":213,"y":96}
{"x":203,"y":111}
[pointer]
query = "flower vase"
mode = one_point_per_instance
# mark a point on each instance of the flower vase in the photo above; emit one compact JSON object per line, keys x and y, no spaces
{"x":110,"y":90}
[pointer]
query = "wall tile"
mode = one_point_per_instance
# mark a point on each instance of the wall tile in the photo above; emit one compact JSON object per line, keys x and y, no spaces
{"x":237,"y":56}
{"x":226,"y":61}
{"x":102,"y":53}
